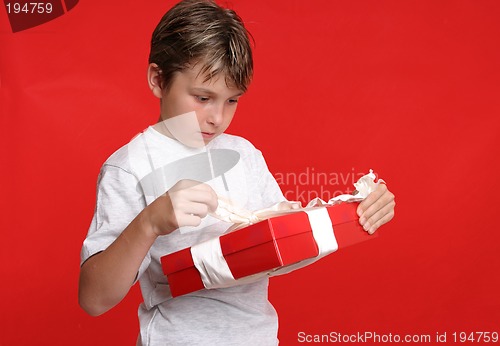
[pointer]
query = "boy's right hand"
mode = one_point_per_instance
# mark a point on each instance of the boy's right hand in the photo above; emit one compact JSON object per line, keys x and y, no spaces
{"x":185,"y":204}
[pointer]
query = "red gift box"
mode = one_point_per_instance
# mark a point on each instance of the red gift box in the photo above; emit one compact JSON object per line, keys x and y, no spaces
{"x":264,"y":246}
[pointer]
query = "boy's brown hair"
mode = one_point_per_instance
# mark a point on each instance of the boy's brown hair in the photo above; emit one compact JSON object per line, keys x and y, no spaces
{"x":201,"y":32}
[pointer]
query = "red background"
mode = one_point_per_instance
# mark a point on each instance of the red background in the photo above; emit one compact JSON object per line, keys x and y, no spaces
{"x":408,"y":88}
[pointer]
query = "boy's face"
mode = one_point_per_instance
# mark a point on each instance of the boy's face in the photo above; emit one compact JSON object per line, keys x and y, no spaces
{"x":193,"y":111}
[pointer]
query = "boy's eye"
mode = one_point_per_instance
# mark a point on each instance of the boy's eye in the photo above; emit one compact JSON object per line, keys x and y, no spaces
{"x":202,"y":98}
{"x":232,"y":101}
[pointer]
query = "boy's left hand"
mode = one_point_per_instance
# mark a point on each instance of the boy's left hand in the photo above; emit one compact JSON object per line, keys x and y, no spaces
{"x":377,"y":209}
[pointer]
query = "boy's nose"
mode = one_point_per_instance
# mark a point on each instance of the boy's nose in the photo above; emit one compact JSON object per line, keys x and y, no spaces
{"x":216,"y":116}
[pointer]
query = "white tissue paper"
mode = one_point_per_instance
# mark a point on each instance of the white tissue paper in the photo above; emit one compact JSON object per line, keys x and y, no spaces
{"x":226,"y":211}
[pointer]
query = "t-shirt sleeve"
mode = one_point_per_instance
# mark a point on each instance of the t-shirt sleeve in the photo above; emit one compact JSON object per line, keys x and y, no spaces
{"x":118,"y":202}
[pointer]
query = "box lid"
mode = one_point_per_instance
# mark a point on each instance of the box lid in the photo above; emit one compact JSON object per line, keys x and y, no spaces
{"x":264,"y":232}
{"x":177,"y":261}
{"x":343,"y":212}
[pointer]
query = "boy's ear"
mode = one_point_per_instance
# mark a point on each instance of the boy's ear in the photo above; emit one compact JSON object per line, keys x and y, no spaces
{"x":154,"y":80}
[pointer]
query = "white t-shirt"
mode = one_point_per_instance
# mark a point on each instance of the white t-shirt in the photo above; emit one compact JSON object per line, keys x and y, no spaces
{"x":133,"y":177}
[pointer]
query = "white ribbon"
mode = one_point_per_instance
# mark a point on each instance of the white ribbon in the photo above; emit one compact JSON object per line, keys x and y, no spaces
{"x":324,"y":236}
{"x":210,"y":262}
{"x":322,"y":230}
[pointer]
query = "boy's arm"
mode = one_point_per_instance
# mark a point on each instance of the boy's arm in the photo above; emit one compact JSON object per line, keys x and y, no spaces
{"x":106,"y":277}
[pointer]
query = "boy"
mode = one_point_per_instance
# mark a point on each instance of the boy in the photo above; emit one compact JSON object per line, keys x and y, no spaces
{"x":155,"y":194}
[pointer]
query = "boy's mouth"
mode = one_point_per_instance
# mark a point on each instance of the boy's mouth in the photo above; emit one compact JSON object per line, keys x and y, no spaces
{"x":208,"y":135}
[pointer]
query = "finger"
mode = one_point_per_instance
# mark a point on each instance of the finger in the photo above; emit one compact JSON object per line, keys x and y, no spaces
{"x":186,"y":204}
{"x":287,"y":205}
{"x":188,"y":220}
{"x":194,"y":202}
{"x":206,"y":195}
{"x":372,"y":198}
{"x":196,"y":194}
{"x":188,"y":184}
{"x":369,"y":209}
{"x":199,"y":209}
{"x":194,"y":191}
{"x":184,"y":184}
{"x":185,"y":219}
{"x":381,"y":217}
